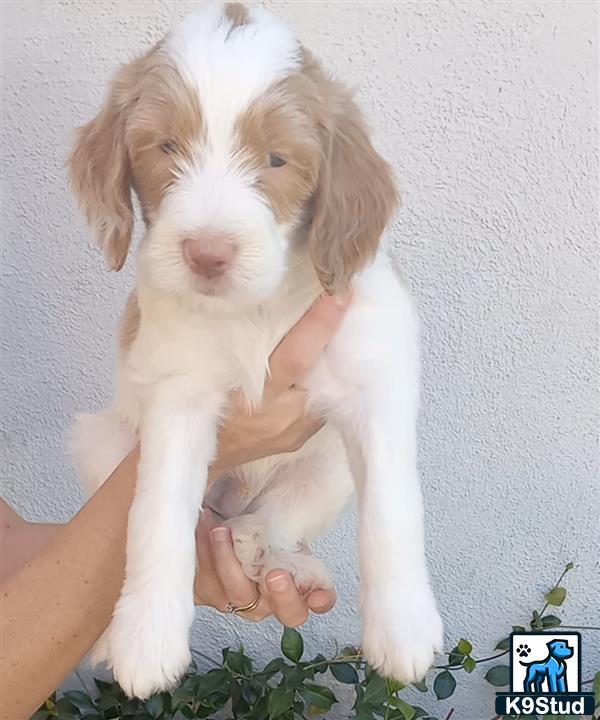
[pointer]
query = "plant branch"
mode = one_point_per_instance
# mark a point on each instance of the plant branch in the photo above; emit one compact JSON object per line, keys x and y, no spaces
{"x":568,"y":566}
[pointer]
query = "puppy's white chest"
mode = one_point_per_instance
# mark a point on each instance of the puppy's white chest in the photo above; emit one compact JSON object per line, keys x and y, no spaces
{"x":199,"y":354}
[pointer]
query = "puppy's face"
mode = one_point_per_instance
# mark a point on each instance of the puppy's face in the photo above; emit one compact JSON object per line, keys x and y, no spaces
{"x":232,"y":138}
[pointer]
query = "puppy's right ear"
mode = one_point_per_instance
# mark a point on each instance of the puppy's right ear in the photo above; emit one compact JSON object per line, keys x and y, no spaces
{"x":101,"y":173}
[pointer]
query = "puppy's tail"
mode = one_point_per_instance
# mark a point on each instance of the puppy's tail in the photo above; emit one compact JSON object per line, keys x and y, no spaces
{"x":98,"y":443}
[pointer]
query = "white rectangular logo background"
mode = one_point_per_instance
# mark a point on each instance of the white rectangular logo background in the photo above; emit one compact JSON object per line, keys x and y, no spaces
{"x":533,"y":647}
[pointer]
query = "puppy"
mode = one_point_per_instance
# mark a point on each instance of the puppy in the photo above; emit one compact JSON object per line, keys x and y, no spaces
{"x":259,"y":187}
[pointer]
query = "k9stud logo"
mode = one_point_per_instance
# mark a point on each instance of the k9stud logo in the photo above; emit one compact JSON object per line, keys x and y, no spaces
{"x":545,"y":676}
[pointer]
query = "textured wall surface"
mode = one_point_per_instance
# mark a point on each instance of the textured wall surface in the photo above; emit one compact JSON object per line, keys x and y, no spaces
{"x":487,"y":111}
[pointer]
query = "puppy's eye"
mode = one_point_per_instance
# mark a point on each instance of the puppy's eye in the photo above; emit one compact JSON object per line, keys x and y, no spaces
{"x":169,"y":147}
{"x":276,"y":160}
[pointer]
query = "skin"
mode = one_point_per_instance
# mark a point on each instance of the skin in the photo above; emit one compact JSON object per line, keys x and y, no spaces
{"x":61,"y":582}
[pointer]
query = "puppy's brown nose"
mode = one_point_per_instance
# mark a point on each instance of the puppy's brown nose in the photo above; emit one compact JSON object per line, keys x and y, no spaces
{"x":209,"y":254}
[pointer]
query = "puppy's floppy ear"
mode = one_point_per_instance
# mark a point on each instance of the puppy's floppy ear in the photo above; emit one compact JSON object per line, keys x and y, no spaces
{"x":101,"y":173}
{"x":356,"y":194}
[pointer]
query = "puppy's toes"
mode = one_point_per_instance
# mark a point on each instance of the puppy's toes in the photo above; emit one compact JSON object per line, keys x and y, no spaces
{"x":402,"y":630}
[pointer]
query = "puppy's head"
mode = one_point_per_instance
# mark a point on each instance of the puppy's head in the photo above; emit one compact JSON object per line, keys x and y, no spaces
{"x":232,"y":138}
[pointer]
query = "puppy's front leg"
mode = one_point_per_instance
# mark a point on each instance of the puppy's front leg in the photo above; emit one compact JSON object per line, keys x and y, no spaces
{"x":401,"y":626}
{"x":148,"y":639}
{"x":373,"y":398}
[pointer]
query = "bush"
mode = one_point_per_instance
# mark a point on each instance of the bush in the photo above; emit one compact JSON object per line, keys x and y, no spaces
{"x":291,"y":687}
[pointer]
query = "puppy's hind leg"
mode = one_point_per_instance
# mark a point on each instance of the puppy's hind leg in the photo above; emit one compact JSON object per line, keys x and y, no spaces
{"x":300,"y":502}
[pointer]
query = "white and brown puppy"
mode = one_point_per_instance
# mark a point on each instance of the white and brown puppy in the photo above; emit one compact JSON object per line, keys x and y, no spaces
{"x":259,"y":187}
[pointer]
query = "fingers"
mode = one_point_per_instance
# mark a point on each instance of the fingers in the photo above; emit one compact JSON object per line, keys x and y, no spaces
{"x":231,"y":585}
{"x":321,"y":601}
{"x":207,"y":586}
{"x":287,"y":604}
{"x":303,"y":344}
{"x":238,"y":588}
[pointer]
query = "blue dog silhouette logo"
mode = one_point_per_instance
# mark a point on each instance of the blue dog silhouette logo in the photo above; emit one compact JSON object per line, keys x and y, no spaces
{"x":545,"y":676}
{"x":551,"y":671}
{"x":545,"y":663}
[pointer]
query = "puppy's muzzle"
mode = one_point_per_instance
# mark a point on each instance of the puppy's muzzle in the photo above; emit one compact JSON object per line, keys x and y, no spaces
{"x":209,"y":254}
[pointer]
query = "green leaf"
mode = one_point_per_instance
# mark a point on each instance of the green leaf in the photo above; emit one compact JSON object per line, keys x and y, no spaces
{"x":464,"y":647}
{"x":419,"y":712}
{"x":499,"y":675}
{"x":213,"y":681}
{"x":292,"y":645}
{"x":597,"y":689}
{"x":518,"y":628}
{"x":106,"y":701}
{"x":280,"y":700}
{"x":455,"y":658}
{"x":536,"y":621}
{"x":237,"y":662}
{"x":376,"y":690}
{"x":444,"y":685}
{"x":421,"y":685}
{"x":321,"y":662}
{"x":556,"y":596}
{"x":318,"y":696}
{"x":393,"y":686}
{"x":183,"y":694}
{"x":550,"y":621}
{"x":104,"y":686}
{"x":344,"y":673}
{"x":278,"y":665}
{"x":503,"y":644}
{"x":82,"y":701}
{"x":295,"y":677}
{"x":66,"y":710}
{"x":469,"y":664}
{"x":408,"y":711}
{"x":154,"y":706}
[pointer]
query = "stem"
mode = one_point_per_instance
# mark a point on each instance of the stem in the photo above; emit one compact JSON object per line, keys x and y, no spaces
{"x":578,"y":627}
{"x":556,"y":584}
{"x":450,"y":714}
{"x":336,"y":661}
{"x":460,"y":667}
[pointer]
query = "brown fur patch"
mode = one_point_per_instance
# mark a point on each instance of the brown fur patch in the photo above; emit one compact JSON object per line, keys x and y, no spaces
{"x":356,"y":194}
{"x":278,"y":123}
{"x":148,"y":105}
{"x":167,"y":112}
{"x":313,"y":123}
{"x":237,"y":13}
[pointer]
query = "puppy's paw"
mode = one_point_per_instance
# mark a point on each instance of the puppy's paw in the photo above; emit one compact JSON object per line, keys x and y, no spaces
{"x":308,"y":572}
{"x":402,"y":630}
{"x":148,"y":642}
{"x":250,"y":543}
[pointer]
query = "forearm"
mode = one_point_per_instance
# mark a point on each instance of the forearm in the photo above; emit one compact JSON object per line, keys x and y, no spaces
{"x":61,"y":598}
{"x":57,"y":605}
{"x":20,"y":540}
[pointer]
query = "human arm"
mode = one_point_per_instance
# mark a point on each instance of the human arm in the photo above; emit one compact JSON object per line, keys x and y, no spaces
{"x":62,"y":582}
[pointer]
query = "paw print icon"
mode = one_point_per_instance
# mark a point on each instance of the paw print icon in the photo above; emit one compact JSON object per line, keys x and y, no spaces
{"x":523,"y":650}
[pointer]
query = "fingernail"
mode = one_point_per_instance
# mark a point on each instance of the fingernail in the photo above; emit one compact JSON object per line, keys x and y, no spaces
{"x":279,"y":583}
{"x":219,"y":534}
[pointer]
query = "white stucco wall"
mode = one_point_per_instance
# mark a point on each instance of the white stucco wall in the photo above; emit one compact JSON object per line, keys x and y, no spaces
{"x":488,"y":112}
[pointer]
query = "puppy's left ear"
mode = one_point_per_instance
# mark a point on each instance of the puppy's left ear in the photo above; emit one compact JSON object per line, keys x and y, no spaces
{"x":356,"y":193}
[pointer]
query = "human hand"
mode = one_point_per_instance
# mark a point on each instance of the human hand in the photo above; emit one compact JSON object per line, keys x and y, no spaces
{"x":281,"y":424}
{"x":220,"y":581}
